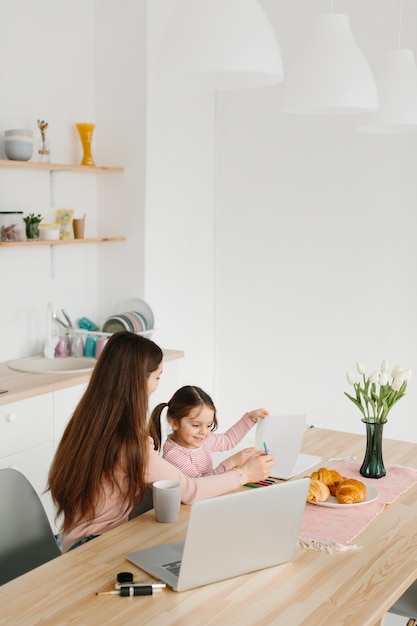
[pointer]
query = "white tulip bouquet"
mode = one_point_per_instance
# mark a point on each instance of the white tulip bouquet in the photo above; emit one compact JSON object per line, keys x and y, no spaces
{"x":375,"y":395}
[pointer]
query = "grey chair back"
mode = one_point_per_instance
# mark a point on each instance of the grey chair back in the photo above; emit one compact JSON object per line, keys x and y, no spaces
{"x":146,"y":504}
{"x":406,"y":605}
{"x":26,"y":537}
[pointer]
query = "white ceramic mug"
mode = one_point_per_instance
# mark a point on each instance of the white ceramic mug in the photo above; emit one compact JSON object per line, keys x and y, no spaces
{"x":166,"y":500}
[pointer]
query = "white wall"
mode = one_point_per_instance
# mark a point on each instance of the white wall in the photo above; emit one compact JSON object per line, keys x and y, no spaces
{"x":120,"y":75}
{"x":68,"y":62}
{"x":314,"y":238}
{"x":179,"y":214}
{"x":47,"y":73}
{"x":303,"y":264}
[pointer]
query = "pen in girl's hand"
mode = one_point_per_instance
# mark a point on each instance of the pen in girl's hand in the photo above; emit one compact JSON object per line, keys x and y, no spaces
{"x":266,"y":448}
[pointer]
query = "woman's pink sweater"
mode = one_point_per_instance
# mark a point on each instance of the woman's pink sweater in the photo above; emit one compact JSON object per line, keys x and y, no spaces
{"x":113,"y":510}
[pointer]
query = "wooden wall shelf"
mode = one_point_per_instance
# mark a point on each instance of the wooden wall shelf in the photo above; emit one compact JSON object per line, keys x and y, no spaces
{"x":59,"y":242}
{"x":52,"y":167}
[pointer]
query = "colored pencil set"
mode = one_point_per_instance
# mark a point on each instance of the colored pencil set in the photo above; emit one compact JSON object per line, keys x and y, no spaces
{"x":261,"y":483}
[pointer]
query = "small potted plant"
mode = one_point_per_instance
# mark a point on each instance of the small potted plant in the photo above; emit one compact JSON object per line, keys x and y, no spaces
{"x":32,"y":222}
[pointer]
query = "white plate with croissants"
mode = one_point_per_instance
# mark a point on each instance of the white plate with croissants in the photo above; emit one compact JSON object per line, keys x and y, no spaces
{"x":329,"y":488}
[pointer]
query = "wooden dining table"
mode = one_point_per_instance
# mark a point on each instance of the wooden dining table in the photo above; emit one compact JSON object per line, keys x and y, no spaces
{"x":317,"y":588}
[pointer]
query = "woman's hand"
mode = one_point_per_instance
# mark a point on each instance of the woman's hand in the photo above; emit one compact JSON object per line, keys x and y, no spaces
{"x":257,"y":414}
{"x":256,"y":468}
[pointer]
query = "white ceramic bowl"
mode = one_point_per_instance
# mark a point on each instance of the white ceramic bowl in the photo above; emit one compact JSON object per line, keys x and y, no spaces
{"x":18,"y":150}
{"x":48,"y":232}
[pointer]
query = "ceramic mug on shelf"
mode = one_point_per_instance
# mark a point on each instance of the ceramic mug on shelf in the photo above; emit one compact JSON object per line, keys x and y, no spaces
{"x":78,"y":225}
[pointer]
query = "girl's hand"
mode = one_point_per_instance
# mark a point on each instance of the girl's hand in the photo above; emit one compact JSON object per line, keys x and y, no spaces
{"x":240,"y":458}
{"x":257,"y":414}
{"x":256,"y":468}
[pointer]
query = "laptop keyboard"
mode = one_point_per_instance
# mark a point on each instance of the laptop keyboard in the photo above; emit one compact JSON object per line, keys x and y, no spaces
{"x":173,"y":568}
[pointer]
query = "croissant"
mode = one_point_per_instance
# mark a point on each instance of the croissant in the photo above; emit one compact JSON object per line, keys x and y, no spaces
{"x":350,"y":491}
{"x":329,"y":477}
{"x":318,"y":491}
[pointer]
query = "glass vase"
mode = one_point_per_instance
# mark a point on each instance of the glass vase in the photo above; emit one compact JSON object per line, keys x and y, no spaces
{"x":373,"y":464}
{"x":44,"y":152}
{"x":32,"y":230}
{"x":86,"y":135}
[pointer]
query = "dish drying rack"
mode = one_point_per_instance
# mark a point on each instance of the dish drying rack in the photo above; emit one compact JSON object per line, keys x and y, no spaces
{"x":145,"y":316}
{"x":102,"y":333}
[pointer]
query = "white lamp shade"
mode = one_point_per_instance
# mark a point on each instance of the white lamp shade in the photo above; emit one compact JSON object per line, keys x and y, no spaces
{"x":219,"y":44}
{"x":331,"y":74}
{"x":397,"y":92}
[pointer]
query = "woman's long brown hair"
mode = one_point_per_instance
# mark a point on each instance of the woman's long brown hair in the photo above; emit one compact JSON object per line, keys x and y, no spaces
{"x":110,"y":418}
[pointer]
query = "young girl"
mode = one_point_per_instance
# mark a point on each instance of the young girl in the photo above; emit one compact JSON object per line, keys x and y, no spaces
{"x":106,"y":459}
{"x":192,"y":417}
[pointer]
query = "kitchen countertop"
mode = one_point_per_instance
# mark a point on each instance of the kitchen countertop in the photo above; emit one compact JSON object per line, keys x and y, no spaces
{"x":23,"y":385}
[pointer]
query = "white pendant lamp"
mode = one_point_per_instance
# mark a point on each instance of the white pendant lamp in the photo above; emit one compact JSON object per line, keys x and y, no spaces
{"x":219,"y":44}
{"x":397,"y":92}
{"x":331,"y":75}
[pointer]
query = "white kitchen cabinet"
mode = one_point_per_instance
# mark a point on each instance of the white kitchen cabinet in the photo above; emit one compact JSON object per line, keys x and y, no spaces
{"x":26,"y":441}
{"x":30,"y":431}
{"x":26,"y":423}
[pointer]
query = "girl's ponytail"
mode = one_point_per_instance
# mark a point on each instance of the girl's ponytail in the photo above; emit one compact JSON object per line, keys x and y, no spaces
{"x":154,"y":427}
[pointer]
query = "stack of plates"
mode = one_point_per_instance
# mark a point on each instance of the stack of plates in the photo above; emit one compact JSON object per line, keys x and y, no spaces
{"x":135,"y":315}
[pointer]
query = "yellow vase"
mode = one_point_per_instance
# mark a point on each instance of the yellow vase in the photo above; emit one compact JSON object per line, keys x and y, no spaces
{"x":86,"y":135}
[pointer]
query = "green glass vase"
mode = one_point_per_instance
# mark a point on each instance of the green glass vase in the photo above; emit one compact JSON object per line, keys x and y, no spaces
{"x":373,"y":463}
{"x":32,"y":230}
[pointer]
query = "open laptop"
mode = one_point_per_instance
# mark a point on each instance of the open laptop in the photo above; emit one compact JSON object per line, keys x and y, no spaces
{"x":283,"y":437}
{"x":230,"y":535}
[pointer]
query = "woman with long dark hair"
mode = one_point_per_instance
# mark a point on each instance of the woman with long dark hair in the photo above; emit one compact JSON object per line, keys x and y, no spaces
{"x":106,"y":459}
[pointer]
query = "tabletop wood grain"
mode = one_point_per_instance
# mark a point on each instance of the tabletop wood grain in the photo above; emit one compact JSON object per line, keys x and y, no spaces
{"x":354,"y":587}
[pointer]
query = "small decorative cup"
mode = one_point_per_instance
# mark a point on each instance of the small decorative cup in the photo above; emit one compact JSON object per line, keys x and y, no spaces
{"x":166,"y":500}
{"x":78,"y":226}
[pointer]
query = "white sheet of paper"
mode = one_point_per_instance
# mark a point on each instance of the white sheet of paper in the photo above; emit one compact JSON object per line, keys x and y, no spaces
{"x":283,"y":436}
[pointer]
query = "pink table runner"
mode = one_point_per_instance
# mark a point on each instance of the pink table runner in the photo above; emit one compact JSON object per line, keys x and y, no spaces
{"x":328,"y":529}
